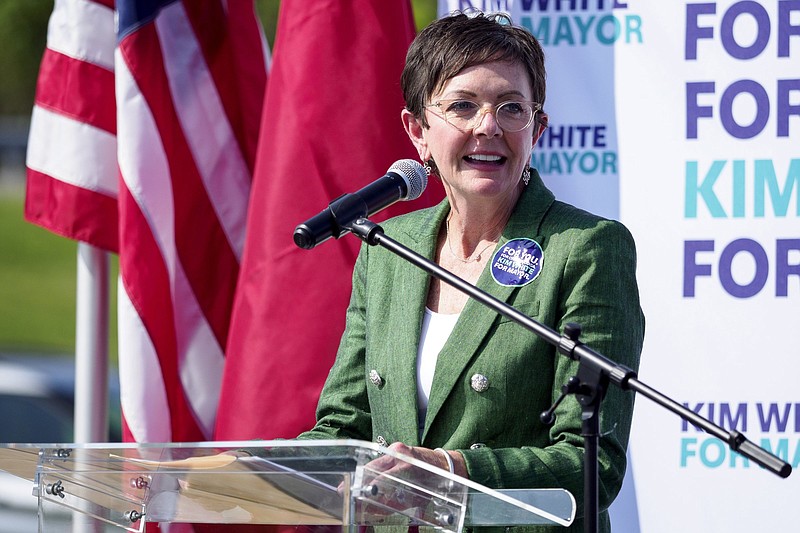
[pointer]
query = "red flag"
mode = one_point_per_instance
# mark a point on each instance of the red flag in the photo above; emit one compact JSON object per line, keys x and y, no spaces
{"x":331,"y":125}
{"x":153,"y":129}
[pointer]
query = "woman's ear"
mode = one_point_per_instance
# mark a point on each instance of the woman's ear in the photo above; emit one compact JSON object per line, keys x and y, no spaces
{"x":415,"y":131}
{"x":540,"y":124}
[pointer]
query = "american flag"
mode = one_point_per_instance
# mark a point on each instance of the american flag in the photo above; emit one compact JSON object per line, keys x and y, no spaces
{"x":72,"y":147}
{"x":143,"y":141}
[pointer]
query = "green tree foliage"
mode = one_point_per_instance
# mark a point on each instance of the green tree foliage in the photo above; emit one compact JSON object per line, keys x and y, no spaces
{"x":23,"y":33}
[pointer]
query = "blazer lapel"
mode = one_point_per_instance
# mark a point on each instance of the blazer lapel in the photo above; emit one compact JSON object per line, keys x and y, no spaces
{"x":413,"y":290}
{"x":476,"y":319}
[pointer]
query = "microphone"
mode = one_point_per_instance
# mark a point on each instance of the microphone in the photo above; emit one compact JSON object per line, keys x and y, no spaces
{"x":406,"y":179}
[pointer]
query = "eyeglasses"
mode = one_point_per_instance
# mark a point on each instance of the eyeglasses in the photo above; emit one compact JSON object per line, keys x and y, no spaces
{"x":466,"y":115}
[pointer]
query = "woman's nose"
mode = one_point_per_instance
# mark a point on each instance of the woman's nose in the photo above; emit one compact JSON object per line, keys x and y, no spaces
{"x":487,"y":123}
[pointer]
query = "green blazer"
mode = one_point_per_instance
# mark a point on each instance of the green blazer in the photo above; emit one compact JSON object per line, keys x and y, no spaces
{"x":588,"y":277}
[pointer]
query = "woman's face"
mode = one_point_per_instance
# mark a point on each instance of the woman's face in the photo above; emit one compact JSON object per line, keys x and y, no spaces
{"x":484,"y":161}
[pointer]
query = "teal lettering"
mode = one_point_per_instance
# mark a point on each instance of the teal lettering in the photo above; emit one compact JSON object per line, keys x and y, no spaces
{"x":715,"y":457}
{"x":555,"y":164}
{"x":542,"y":32}
{"x":687,"y":450}
{"x":589,"y":162}
{"x":704,"y":190}
{"x":563,"y":32}
{"x":765,"y":177}
{"x":738,"y":189}
{"x":633,"y":26}
{"x":615,"y":26}
{"x":609,"y":162}
{"x":570,"y":160}
{"x":796,"y":460}
{"x":584,"y":28}
{"x":606,"y":30}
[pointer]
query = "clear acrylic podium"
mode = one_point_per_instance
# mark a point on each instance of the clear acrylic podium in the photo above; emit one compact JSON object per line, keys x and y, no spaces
{"x":345,"y":483}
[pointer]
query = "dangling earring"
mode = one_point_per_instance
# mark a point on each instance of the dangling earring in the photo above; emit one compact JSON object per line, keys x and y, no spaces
{"x":526,"y":175}
{"x":430,"y":167}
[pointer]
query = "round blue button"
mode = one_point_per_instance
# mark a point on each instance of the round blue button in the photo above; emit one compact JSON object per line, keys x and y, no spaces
{"x":517,"y":263}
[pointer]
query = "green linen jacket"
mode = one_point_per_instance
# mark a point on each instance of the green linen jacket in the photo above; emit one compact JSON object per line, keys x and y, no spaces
{"x":588,"y":277}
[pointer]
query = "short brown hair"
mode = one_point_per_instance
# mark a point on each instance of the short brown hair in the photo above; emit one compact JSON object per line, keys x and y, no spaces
{"x":450,"y":44}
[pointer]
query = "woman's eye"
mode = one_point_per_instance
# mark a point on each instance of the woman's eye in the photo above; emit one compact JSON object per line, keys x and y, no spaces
{"x":462,"y":106}
{"x":513,"y":108}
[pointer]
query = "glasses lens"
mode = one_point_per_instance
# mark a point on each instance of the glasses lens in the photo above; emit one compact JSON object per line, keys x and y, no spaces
{"x":514,"y":116}
{"x":461,"y":113}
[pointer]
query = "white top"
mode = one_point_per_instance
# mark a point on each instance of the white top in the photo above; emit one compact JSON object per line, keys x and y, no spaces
{"x":436,"y":328}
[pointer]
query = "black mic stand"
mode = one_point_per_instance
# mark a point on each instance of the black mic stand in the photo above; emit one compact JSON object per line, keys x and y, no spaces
{"x":594,"y":374}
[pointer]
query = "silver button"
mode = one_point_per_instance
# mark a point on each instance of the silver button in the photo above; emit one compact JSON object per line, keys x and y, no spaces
{"x":480,"y":383}
{"x":375,"y":378}
{"x":477,"y":445}
{"x":381,"y":441}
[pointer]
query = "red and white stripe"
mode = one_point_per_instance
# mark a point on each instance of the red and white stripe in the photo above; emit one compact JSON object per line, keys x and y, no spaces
{"x":183,"y":204}
{"x":72,"y":146}
{"x":185,"y":92}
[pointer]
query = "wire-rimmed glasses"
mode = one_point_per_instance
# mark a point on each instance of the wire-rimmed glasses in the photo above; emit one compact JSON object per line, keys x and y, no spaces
{"x":465,"y":115}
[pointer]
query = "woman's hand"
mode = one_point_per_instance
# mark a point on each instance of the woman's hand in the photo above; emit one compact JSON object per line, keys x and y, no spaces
{"x":394,"y":484}
{"x":433,"y":457}
{"x":388,"y":464}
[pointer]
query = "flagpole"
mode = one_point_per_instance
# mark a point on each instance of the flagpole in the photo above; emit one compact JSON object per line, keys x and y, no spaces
{"x":91,"y":359}
{"x":91,"y":345}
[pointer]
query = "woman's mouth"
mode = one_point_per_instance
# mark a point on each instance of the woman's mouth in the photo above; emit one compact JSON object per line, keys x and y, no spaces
{"x":485,"y":159}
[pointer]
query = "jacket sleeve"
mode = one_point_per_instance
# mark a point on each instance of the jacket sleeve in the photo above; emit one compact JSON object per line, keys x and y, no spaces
{"x":343,"y":410}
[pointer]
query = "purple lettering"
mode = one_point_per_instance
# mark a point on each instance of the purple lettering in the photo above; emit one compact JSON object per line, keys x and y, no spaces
{"x":762,"y":109}
{"x":783,"y":269}
{"x":694,"y":110}
{"x":694,"y":31}
{"x":691,"y":270}
{"x":785,"y":108}
{"x":766,"y":419}
{"x":785,"y":28}
{"x":759,"y":277}
{"x":763,"y":30}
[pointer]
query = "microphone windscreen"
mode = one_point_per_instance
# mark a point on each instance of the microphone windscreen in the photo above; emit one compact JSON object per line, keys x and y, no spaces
{"x":413,"y":173}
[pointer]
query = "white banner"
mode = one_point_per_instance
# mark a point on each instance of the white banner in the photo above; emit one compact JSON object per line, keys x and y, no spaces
{"x":692,"y":112}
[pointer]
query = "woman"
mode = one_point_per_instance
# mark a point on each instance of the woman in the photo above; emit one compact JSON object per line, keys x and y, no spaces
{"x":440,"y":377}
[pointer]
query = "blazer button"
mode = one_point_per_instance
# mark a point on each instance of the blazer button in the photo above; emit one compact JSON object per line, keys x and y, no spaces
{"x":477,"y":445}
{"x":480,"y":383}
{"x":381,"y":441}
{"x":375,"y":378}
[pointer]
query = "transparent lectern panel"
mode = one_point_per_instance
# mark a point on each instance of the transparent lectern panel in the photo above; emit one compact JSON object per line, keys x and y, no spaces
{"x":253,"y":491}
{"x":347,"y":483}
{"x":520,"y":507}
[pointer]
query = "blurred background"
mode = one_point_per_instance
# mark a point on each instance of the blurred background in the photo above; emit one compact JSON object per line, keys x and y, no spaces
{"x":38,"y":268}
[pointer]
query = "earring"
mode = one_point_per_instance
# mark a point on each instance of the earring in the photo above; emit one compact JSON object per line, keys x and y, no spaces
{"x":430,"y":167}
{"x":526,"y":175}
